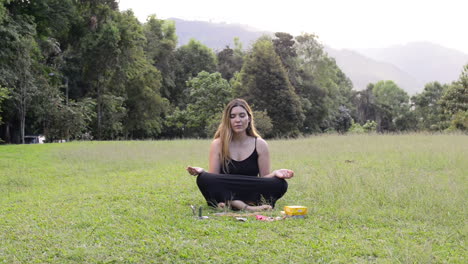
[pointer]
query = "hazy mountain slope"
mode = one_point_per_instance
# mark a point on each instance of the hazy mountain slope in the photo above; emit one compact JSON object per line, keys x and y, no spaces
{"x":424,"y":60}
{"x":363,"y":70}
{"x":215,"y":35}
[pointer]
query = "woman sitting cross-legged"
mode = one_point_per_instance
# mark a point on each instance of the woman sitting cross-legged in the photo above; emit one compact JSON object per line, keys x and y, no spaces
{"x":239,"y":165}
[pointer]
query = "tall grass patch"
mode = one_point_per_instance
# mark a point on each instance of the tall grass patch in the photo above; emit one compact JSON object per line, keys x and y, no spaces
{"x":371,"y":198}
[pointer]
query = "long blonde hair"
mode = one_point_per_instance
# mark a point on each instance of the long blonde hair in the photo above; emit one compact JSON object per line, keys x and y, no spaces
{"x":224,"y":132}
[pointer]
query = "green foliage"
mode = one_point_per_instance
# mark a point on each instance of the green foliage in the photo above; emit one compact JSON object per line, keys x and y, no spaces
{"x":3,"y":9}
{"x":3,"y":95}
{"x":388,"y":94}
{"x":455,"y":101}
{"x":100,"y":53}
{"x":212,"y":125}
{"x":191,"y":59}
{"x":265,"y":85}
{"x":229,"y":62}
{"x":67,"y":121}
{"x":455,"y":98}
{"x":323,"y":87}
{"x":370,"y":126}
{"x":19,"y":64}
{"x":343,"y":120}
{"x":209,"y":93}
{"x":263,"y":123}
{"x":459,"y":121}
{"x":145,"y":105}
{"x":393,"y":105}
{"x":356,"y":128}
{"x":366,"y":108}
{"x":161,"y":41}
{"x":427,"y":108}
{"x":284,"y":47}
{"x":111,"y":114}
{"x":58,"y":58}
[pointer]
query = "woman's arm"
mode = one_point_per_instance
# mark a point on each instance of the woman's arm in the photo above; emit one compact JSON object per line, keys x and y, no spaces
{"x":214,"y":158}
{"x":264,"y":163}
{"x":263,"y":158}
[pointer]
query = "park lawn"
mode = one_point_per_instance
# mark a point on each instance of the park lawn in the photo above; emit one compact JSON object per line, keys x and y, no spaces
{"x":371,"y":199}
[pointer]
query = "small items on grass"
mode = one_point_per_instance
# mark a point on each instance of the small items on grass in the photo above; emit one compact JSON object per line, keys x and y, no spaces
{"x":200,"y":212}
{"x":290,"y":212}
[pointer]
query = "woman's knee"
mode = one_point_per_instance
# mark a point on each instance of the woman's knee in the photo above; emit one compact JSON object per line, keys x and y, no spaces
{"x":202,"y":180}
{"x":280,"y":184}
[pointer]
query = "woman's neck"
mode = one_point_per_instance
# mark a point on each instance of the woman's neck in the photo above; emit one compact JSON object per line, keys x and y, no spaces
{"x":241,"y":137}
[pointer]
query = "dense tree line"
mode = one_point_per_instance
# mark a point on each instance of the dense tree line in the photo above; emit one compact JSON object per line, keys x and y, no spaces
{"x":81,"y":69}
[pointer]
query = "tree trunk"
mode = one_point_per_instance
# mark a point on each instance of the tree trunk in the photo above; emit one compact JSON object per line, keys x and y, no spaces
{"x":22,"y":124}
{"x":99,"y":112}
{"x":22,"y":112}
{"x":7,"y":133}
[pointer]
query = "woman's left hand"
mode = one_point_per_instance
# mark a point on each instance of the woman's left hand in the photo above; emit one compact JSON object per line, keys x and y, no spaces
{"x":195,"y":171}
{"x":283,"y":173}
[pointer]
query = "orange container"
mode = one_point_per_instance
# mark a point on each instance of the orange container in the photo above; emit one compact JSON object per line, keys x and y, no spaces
{"x":295,"y":210}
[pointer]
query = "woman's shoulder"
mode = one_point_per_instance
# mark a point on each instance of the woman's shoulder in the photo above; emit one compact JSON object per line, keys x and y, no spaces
{"x":216,"y":143}
{"x":262,"y":145}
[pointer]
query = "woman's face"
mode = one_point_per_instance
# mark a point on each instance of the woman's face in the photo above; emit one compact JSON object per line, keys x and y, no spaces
{"x":239,"y":119}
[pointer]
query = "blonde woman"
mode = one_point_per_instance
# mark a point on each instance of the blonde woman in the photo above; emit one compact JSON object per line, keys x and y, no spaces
{"x":239,"y":165}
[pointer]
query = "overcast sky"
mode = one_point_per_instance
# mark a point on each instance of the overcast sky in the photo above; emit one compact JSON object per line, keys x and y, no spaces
{"x":338,"y":23}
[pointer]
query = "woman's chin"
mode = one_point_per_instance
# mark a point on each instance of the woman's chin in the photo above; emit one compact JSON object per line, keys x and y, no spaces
{"x":238,"y":130}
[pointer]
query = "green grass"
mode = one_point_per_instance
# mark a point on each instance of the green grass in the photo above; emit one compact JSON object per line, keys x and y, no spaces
{"x":371,"y":199}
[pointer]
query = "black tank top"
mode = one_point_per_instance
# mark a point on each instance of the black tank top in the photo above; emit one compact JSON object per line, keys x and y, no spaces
{"x":248,"y":167}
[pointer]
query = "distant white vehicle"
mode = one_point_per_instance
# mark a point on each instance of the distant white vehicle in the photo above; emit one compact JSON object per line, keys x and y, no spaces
{"x":34,"y":139}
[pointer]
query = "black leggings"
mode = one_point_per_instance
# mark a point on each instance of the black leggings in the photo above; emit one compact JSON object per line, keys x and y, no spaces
{"x":217,"y":188}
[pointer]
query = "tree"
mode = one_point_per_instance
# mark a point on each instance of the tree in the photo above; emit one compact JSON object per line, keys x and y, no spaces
{"x":455,"y":101}
{"x":3,"y":10}
{"x":265,"y":85}
{"x":191,"y":59}
{"x":61,"y":119}
{"x":455,"y":98}
{"x":344,"y":120}
{"x":209,"y":93}
{"x":126,"y":86}
{"x":427,"y":108}
{"x":284,"y":47}
{"x":366,"y":108}
{"x":100,"y":53}
{"x":161,"y":41}
{"x":323,"y":87}
{"x":18,"y":63}
{"x":229,"y":62}
{"x":393,"y":103}
{"x":138,"y":81}
{"x":145,"y":105}
{"x":3,"y":95}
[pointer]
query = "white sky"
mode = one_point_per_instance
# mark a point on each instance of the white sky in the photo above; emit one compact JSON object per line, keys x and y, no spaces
{"x":338,"y":23}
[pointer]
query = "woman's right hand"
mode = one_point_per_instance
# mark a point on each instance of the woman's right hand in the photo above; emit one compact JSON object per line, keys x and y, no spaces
{"x":195,"y":170}
{"x":283,"y":173}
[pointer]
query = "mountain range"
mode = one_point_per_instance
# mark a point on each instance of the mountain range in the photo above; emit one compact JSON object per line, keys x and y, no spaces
{"x":410,"y":66}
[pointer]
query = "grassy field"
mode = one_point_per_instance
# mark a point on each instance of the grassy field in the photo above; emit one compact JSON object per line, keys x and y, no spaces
{"x":371,"y":199}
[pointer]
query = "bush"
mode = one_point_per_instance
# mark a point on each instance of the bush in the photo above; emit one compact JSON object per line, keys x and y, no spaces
{"x":263,"y":123}
{"x":356,"y":128}
{"x":459,"y":121}
{"x":212,"y":125}
{"x":370,"y":126}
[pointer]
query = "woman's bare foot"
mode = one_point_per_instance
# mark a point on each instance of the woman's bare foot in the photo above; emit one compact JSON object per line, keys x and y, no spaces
{"x":264,"y":207}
